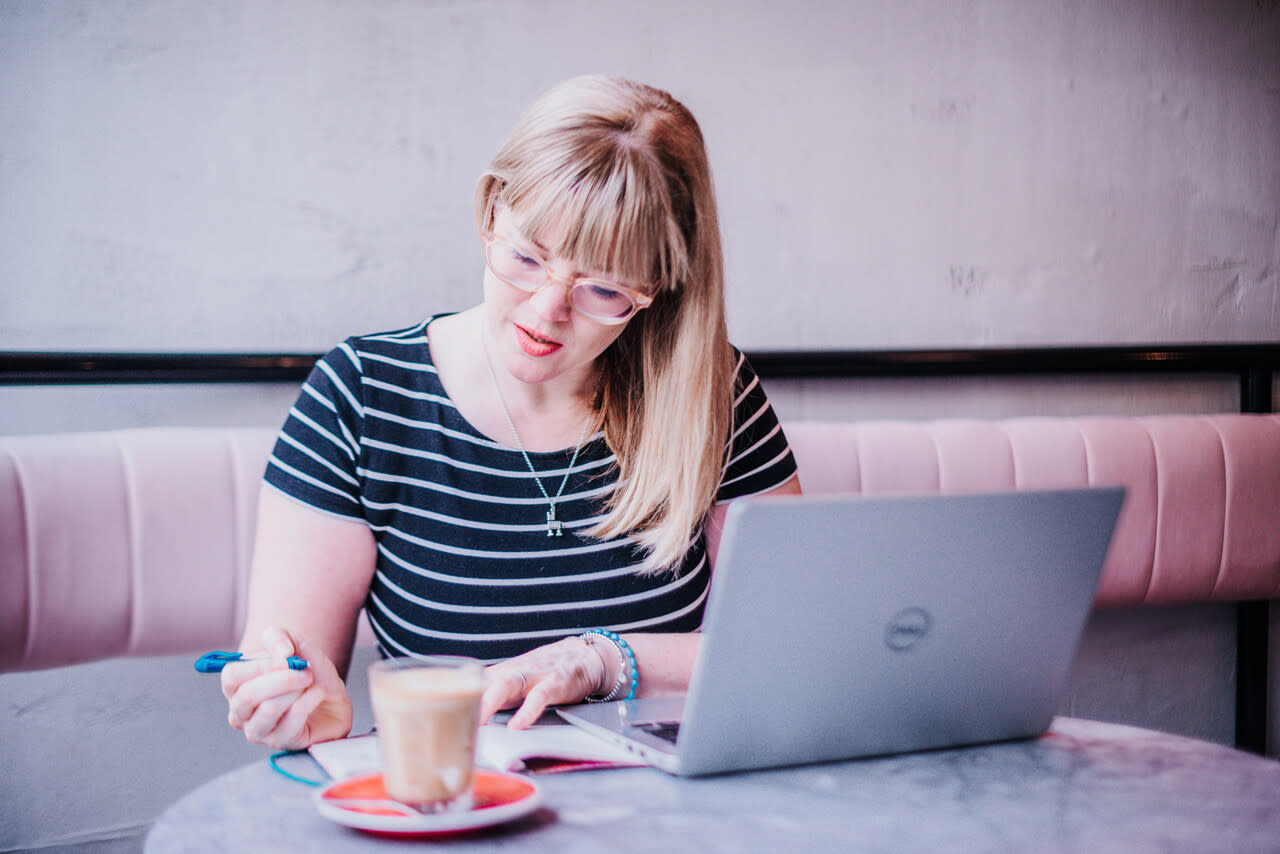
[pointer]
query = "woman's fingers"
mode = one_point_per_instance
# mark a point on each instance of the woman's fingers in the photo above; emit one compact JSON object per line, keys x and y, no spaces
{"x":563,"y":672}
{"x":324,"y":711}
{"x":268,"y":693}
{"x":284,"y":708}
{"x":262,"y":724}
{"x":278,"y":642}
{"x":506,"y":689}
{"x":535,"y":703}
{"x":294,"y":729}
{"x":277,"y":646}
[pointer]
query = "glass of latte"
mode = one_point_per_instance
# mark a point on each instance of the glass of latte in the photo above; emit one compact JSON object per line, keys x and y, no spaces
{"x":427,"y":711}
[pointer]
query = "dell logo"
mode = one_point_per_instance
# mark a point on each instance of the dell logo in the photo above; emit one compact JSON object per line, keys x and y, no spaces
{"x":907,"y":628}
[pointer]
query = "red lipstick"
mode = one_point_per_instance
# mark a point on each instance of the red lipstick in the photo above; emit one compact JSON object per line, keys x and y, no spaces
{"x":535,"y":345}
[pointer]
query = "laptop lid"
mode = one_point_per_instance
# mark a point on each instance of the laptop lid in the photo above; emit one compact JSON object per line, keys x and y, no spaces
{"x":840,"y":626}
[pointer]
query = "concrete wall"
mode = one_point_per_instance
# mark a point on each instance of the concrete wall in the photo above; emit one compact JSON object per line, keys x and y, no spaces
{"x":242,"y":175}
{"x":181,"y":174}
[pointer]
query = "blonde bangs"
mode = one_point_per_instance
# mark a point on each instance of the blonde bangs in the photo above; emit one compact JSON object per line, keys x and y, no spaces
{"x":612,"y":217}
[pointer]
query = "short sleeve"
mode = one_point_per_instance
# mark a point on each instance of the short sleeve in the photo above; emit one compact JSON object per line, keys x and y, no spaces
{"x":759,"y":458}
{"x":316,"y":456}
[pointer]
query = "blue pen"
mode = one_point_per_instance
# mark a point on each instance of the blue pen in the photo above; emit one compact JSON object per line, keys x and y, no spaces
{"x":213,"y":662}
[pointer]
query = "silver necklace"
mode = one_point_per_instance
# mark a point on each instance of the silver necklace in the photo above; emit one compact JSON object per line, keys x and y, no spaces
{"x":554,"y":527}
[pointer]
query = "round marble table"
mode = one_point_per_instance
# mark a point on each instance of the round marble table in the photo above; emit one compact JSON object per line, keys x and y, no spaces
{"x":1085,"y":786}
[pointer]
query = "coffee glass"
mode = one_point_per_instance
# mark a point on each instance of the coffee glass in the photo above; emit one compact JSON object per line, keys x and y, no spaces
{"x":427,"y":711}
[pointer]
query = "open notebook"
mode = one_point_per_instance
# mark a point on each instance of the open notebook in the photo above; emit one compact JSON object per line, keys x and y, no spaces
{"x":847,"y":626}
{"x":546,"y":748}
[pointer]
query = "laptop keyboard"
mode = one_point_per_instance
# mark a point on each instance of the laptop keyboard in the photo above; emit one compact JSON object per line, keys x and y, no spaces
{"x":665,"y":730}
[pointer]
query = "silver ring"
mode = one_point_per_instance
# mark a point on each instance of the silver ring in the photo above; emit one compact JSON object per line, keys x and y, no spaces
{"x":524,"y":682}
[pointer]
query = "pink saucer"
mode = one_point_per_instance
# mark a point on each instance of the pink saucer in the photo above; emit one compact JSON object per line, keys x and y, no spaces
{"x":362,"y":803}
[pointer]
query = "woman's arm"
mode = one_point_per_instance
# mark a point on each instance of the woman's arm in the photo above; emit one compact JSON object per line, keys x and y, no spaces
{"x":715,"y":519}
{"x":666,"y":660}
{"x":311,"y":573}
{"x":569,"y":670}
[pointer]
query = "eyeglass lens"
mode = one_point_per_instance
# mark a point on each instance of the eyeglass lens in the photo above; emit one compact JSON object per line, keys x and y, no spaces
{"x":592,"y":297}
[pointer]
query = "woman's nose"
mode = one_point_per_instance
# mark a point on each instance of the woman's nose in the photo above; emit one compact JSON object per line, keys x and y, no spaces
{"x":553,"y":300}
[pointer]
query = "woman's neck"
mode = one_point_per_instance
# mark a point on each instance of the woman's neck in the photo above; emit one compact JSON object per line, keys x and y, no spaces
{"x":547,"y":416}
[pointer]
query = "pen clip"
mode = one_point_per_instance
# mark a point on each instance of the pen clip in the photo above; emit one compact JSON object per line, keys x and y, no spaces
{"x":213,"y":662}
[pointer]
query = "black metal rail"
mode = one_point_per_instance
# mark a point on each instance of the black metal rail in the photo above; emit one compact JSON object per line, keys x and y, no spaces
{"x":1255,"y":360}
{"x":47,"y":368}
{"x":1254,"y":365}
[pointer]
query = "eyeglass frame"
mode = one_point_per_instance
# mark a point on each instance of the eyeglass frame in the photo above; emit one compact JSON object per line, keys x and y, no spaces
{"x":639,"y":299}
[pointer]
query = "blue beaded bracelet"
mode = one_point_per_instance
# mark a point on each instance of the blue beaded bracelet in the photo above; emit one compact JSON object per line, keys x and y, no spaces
{"x":626,"y":656}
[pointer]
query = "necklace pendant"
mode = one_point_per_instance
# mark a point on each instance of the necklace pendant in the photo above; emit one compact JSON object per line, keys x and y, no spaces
{"x":554,"y":528}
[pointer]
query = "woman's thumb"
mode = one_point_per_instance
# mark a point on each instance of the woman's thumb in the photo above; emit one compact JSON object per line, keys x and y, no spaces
{"x":278,"y":642}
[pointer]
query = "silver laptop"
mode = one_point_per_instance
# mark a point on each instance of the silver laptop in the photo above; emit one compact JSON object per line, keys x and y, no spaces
{"x":843,"y":626}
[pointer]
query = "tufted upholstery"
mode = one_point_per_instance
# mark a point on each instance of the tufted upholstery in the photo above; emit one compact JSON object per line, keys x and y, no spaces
{"x":129,"y":542}
{"x":1201,"y":519}
{"x":137,"y":542}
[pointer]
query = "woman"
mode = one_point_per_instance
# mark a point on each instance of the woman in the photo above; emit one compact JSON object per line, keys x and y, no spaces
{"x":515,"y":481}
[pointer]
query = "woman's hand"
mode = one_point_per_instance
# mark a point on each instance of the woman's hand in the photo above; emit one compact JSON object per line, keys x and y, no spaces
{"x":563,"y":672}
{"x":282,"y":708}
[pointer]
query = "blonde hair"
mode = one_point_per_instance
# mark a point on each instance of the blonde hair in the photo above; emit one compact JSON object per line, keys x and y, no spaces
{"x":621,"y":168}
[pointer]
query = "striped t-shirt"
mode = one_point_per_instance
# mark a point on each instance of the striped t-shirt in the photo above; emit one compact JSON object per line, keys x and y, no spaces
{"x":464,"y":563}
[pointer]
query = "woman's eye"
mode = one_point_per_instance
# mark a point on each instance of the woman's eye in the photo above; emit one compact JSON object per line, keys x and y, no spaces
{"x":602,"y":292}
{"x":524,"y":260}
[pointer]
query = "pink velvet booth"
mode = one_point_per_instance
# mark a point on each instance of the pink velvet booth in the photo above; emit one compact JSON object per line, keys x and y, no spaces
{"x":130,"y":542}
{"x":137,"y":542}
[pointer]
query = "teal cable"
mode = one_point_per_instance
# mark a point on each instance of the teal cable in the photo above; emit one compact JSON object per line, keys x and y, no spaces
{"x":273,"y":760}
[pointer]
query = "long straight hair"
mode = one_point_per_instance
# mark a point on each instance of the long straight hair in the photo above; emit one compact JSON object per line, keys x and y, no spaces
{"x":621,"y":169}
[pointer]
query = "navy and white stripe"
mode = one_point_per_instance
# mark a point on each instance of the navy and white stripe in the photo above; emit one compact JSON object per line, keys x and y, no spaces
{"x":464,"y":563}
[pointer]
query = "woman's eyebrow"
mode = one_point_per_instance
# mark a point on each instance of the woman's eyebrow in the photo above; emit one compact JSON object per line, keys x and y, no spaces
{"x":520,"y":237}
{"x":516,"y":236}
{"x":547,"y":253}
